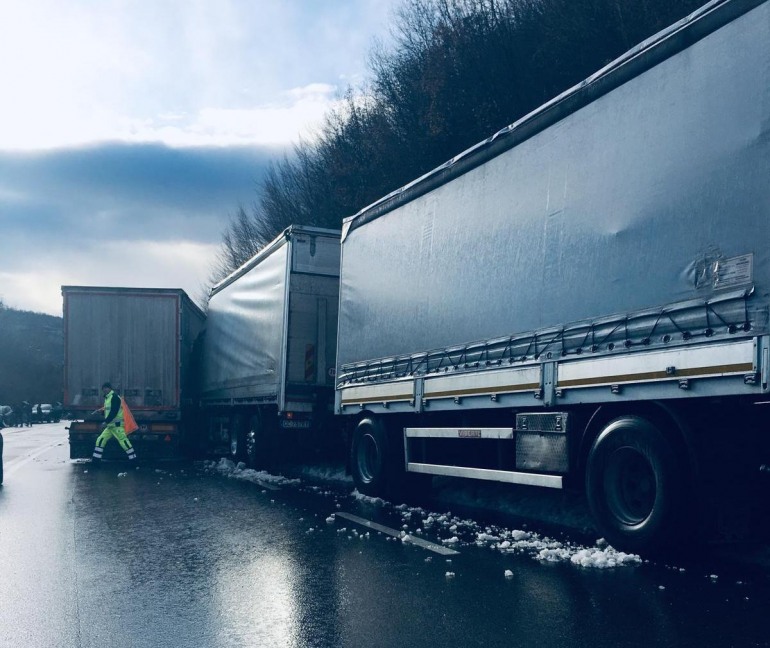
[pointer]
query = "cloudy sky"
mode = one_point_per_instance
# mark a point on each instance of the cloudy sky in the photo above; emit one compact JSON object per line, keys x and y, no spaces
{"x":130,"y":132}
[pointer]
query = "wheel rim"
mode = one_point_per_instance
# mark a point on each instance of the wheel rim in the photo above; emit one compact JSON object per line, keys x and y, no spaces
{"x":368,"y":458}
{"x":630,"y":486}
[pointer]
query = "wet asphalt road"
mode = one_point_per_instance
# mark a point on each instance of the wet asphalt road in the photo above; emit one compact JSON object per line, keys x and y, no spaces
{"x":181,"y":555}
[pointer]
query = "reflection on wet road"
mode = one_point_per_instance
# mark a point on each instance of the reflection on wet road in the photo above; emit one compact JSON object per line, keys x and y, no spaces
{"x":185,"y":555}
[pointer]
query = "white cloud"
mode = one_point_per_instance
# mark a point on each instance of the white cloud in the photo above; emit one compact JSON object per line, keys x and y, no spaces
{"x":35,"y":284}
{"x":31,"y":290}
{"x":298,"y":115}
{"x":184,"y":73}
{"x":267,"y":125}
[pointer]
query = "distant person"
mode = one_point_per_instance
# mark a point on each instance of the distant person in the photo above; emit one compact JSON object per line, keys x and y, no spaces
{"x":113,"y":425}
{"x":39,"y":413}
{"x":18,"y":414}
{"x":26,"y":414}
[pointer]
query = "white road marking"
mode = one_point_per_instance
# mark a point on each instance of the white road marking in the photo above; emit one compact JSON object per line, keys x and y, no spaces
{"x":13,"y":466}
{"x":430,"y":546}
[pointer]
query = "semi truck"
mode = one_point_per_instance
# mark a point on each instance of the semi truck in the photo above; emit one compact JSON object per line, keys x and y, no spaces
{"x":268,"y":351}
{"x":142,"y":341}
{"x":582,"y":299}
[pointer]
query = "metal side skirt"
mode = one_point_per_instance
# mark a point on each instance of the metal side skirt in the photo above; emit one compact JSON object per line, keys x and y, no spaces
{"x":528,"y":479}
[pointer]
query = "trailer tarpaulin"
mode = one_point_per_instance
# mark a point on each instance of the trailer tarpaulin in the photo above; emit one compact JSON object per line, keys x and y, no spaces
{"x":654,"y":193}
{"x":244,"y":330}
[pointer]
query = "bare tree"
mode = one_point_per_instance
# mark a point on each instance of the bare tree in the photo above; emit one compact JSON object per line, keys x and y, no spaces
{"x":240,"y":242}
{"x":458,"y":71}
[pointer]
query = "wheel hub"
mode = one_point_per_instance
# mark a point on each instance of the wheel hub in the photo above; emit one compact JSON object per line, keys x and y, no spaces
{"x":629,"y":483}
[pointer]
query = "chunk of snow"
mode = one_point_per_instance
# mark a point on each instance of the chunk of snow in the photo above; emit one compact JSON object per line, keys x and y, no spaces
{"x":366,"y":498}
{"x":230,"y":469}
{"x":603,"y":558}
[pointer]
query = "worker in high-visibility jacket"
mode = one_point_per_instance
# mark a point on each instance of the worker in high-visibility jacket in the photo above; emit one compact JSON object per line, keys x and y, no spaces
{"x":113,"y":425}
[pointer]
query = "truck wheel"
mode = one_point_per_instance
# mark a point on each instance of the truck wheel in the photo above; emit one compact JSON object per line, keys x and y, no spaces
{"x":633,"y":486}
{"x":237,"y":437}
{"x":369,"y":458}
{"x":253,"y":439}
{"x":256,"y":443}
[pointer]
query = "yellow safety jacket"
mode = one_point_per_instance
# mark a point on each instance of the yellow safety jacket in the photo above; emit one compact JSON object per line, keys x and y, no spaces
{"x":108,"y":407}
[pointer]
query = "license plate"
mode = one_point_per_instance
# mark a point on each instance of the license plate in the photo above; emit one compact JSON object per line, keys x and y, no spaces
{"x":295,"y":425}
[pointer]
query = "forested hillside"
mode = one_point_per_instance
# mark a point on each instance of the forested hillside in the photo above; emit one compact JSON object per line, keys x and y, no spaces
{"x":31,"y":357}
{"x":457,"y":72}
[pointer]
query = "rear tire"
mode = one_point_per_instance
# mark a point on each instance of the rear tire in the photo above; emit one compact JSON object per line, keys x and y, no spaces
{"x":256,"y":446}
{"x":369,"y":458}
{"x":634,"y":486}
{"x":237,"y":432}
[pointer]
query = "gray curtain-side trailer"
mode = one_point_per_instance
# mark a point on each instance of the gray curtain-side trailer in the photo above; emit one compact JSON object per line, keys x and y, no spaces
{"x":141,"y":340}
{"x":269,"y":348}
{"x":582,"y":299}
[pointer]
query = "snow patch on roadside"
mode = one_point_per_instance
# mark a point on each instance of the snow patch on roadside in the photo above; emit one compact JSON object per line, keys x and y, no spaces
{"x":232,"y":470}
{"x":451,"y":530}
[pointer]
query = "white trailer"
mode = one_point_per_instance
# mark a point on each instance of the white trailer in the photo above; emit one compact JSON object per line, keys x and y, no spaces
{"x":269,"y":348}
{"x":583,"y":299}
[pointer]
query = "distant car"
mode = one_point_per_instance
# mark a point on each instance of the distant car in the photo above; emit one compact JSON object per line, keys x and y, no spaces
{"x":44,"y":413}
{"x":7,"y":416}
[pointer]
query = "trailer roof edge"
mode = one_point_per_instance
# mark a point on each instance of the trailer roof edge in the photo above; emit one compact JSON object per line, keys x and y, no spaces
{"x":276,"y":243}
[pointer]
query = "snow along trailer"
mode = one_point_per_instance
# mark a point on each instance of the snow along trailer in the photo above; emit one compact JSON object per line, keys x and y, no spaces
{"x":141,"y":340}
{"x":582,"y":299}
{"x":269,"y":347}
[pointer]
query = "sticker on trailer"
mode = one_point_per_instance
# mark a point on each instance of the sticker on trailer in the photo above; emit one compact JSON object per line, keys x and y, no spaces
{"x":730,"y":273}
